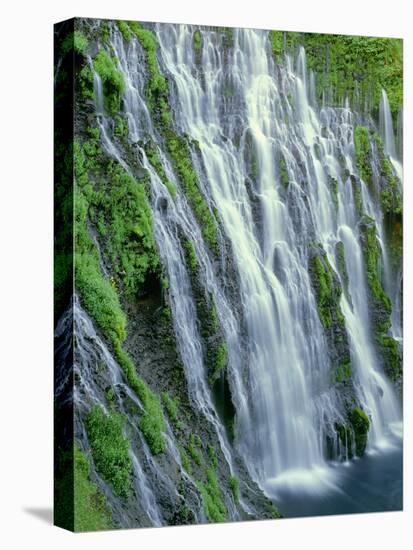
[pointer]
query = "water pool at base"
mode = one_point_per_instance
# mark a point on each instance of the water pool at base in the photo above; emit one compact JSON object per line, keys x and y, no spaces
{"x":373,"y":483}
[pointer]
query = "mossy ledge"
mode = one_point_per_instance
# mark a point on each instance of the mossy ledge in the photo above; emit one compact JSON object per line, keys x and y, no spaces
{"x":328,"y":290}
{"x":380,"y":304}
{"x":98,"y":294}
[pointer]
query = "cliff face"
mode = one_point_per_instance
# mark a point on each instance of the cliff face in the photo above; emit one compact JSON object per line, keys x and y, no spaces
{"x":237,"y":266}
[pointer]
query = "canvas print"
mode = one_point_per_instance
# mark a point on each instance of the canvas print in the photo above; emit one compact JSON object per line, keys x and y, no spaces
{"x":228,"y":274}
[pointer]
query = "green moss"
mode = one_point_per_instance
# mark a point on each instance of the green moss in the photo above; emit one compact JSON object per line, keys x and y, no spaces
{"x":276,"y":40}
{"x":104,"y":31}
{"x":112,"y":81}
{"x":190,"y":256}
{"x":341,"y":263}
{"x":363,"y":154}
{"x":153,"y":157}
{"x":121,"y":127}
{"x":179,"y":152}
{"x":97,"y":294}
{"x":390,"y":194}
{"x":342,"y":372}
{"x":91,"y":511}
{"x":361,"y":424}
{"x":327,"y":292}
{"x":171,"y":406}
{"x":391,"y":356}
{"x":345,"y":435}
{"x":76,"y":41}
{"x":192,"y":448}
{"x":214,"y":506}
{"x":355,"y":66}
{"x":212,"y":455}
{"x":110,"y":449}
{"x":234,"y":486}
{"x":373,"y":262}
{"x":284,"y":177}
{"x":186,"y":463}
{"x":124,"y":216}
{"x":152,"y":422}
{"x":110,"y":394}
{"x":197,"y":41}
{"x":176,"y":146}
{"x":156,"y":89}
{"x":220,"y":361}
{"x":126,"y":210}
{"x":274,"y":512}
{"x":357,"y":195}
{"x":85,"y":82}
{"x":125,"y":30}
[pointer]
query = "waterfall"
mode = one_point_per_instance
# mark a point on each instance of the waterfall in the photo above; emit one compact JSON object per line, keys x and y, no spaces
{"x":286,"y":349}
{"x":387,"y":133}
{"x":386,"y":126}
{"x":277,"y":169}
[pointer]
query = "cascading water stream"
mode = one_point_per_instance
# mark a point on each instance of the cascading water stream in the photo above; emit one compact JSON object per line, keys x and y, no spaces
{"x":283,"y":375}
{"x":387,"y":133}
{"x":266,"y":155}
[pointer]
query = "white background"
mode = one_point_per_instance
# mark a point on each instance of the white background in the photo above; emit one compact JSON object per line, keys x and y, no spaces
{"x":26,"y":272}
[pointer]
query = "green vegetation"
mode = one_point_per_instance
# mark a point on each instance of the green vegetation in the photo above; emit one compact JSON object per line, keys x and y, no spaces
{"x":171,"y":406}
{"x":156,"y":85}
{"x":192,"y":448}
{"x":153,"y":157}
{"x":372,"y":258}
{"x":212,"y":455}
{"x":152,"y":423}
{"x":121,"y":127}
{"x":341,"y":263}
{"x":120,"y":208}
{"x":382,"y":307}
{"x":342,"y":372}
{"x":277,"y":43}
{"x":361,"y":424}
{"x":76,"y":41}
{"x":104,"y":31}
{"x":328,"y":292}
{"x":186,"y":463}
{"x":190,"y":256}
{"x":390,"y":196}
{"x":212,"y":498}
{"x":110,"y":449}
{"x":112,"y":81}
{"x":349,"y":63}
{"x":357,"y":195}
{"x":85,"y":82}
{"x":363,"y":154}
{"x":123,"y":206}
{"x":234,"y":486}
{"x":197,"y":41}
{"x":391,"y":355}
{"x":91,"y":511}
{"x":125,"y":30}
{"x":177,"y":147}
{"x":97,"y":294}
{"x":345,"y":435}
{"x":284,"y":177}
{"x":220,"y":361}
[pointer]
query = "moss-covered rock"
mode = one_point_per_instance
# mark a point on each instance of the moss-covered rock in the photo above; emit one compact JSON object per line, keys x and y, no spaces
{"x":361,"y":424}
{"x":363,"y":154}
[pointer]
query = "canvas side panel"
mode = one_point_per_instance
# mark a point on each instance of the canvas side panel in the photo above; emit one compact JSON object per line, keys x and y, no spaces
{"x":63,"y":275}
